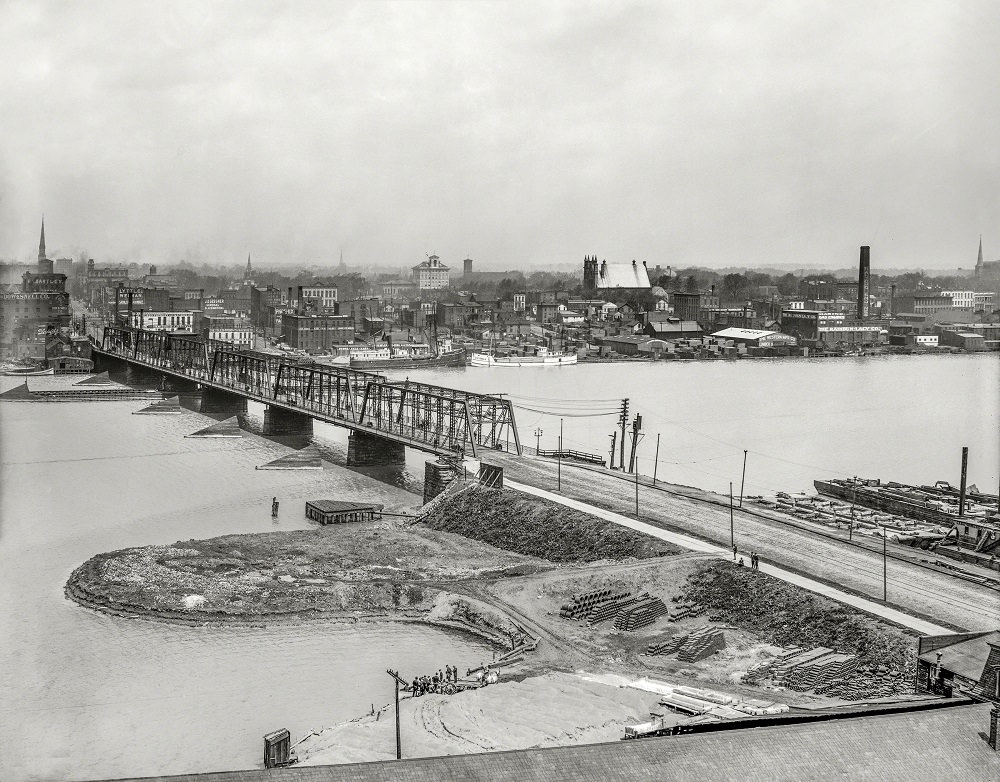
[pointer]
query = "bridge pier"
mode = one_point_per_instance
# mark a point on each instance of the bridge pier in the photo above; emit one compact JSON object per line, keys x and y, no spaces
{"x":364,"y":450}
{"x":437,"y":476}
{"x":215,"y":402}
{"x":142,"y":376}
{"x":279,"y":421}
{"x":172,"y":383}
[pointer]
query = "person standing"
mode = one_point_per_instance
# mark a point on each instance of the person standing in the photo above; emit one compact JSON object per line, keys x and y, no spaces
{"x":734,"y":552}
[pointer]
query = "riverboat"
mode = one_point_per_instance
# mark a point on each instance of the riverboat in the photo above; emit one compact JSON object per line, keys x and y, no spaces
{"x":541,"y":358}
{"x":384,"y":359}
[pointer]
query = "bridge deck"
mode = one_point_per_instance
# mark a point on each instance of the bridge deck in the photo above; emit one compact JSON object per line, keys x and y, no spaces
{"x":437,"y":420}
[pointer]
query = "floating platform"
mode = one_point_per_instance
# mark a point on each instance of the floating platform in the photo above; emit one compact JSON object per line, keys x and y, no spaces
{"x":227,"y":428}
{"x":112,"y":393}
{"x":337,"y":512}
{"x":308,"y":458}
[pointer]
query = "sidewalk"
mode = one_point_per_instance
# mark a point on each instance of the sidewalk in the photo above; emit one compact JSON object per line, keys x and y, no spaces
{"x":694,"y":544}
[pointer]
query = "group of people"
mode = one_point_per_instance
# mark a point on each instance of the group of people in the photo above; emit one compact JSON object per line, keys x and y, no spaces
{"x":754,"y":559}
{"x":436,"y":682}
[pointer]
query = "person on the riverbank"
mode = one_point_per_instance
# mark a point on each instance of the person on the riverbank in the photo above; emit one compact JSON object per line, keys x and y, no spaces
{"x":274,"y":507}
{"x":734,"y":552}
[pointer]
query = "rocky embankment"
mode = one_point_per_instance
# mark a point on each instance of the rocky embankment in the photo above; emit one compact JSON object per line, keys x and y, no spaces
{"x":390,"y":570}
{"x":345,"y":571}
{"x":534,"y":527}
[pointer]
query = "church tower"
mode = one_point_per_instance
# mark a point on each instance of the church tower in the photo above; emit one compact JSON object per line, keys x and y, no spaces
{"x":44,"y":264}
{"x":979,"y":260}
{"x":248,"y":274}
{"x":41,"y":243}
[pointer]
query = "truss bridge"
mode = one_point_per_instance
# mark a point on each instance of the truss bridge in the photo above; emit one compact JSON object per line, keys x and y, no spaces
{"x":384,"y":416}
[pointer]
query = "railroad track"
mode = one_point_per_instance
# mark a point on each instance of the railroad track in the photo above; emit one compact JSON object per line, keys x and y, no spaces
{"x":774,"y":538}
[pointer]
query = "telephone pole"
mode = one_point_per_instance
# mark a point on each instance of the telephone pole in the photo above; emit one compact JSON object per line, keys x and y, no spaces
{"x":611,"y":461}
{"x":559,"y":459}
{"x":743,"y":479}
{"x":622,"y":421}
{"x":538,"y":439}
{"x":656,"y":459}
{"x":636,"y":427}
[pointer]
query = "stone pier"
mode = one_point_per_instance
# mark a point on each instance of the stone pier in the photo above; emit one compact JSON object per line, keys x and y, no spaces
{"x":214,"y":402}
{"x":136,"y":375}
{"x":279,"y":421}
{"x":365,"y":450}
{"x":437,"y":476}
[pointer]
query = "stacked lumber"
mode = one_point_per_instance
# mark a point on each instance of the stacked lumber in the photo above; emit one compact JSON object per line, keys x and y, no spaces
{"x":702,"y":646}
{"x":684,"y":610}
{"x":609,"y":610}
{"x":641,"y":614}
{"x":580,"y":605}
{"x":820,"y":672}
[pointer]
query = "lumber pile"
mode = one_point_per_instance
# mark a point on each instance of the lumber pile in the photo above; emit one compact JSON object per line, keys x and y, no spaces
{"x":579,"y":606}
{"x":691,"y":647}
{"x":642,"y":614}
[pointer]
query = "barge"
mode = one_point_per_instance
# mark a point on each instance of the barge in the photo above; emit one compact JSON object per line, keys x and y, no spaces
{"x":975,"y":526}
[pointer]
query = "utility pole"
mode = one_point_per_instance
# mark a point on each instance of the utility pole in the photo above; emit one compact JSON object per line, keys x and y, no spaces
{"x":538,"y":439}
{"x":611,"y":461}
{"x":732,"y":524}
{"x":854,"y":497}
{"x":622,"y":421}
{"x":395,"y":678}
{"x":885,"y":584}
{"x":559,"y":459}
{"x":636,"y":489}
{"x":744,"y":478}
{"x":636,"y":427}
{"x":656,"y":459}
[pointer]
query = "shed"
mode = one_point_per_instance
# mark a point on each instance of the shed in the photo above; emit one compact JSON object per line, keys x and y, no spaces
{"x":757,"y":338}
{"x":337,"y":512}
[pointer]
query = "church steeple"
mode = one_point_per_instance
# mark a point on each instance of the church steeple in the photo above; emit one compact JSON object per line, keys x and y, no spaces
{"x":41,"y":242}
{"x":249,"y":272}
{"x":979,"y":260}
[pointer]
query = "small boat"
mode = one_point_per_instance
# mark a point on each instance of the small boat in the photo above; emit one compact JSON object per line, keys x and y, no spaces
{"x":541,"y":358}
{"x":29,"y":372}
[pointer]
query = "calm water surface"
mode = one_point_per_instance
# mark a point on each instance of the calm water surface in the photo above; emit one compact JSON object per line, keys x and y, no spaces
{"x":87,"y":696}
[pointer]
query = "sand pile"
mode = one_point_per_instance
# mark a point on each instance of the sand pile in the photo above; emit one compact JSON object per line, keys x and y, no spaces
{"x":557,"y":709}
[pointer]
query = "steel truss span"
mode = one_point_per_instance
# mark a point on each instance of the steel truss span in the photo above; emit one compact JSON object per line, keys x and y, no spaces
{"x":444,"y":421}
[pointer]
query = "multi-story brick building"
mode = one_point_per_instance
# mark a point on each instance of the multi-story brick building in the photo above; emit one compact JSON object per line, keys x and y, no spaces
{"x":431,"y":274}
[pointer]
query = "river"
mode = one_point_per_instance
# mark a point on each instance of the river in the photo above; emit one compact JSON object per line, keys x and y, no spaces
{"x":88,"y":696}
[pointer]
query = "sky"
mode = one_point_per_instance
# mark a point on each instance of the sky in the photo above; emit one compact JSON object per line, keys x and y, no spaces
{"x":520,"y":134}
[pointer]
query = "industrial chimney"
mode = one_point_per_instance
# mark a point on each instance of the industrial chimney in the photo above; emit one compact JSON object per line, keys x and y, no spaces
{"x":864,"y":282}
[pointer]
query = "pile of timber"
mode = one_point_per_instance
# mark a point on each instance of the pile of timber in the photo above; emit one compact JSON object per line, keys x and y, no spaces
{"x":610,"y":610}
{"x":580,"y":606}
{"x":641,"y":614}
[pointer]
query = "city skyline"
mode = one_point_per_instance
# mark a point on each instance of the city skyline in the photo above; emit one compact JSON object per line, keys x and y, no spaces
{"x":683,"y":134}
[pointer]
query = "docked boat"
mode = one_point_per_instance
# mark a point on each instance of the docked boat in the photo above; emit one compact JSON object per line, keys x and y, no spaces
{"x":29,"y":372}
{"x":542,"y":357}
{"x":383,"y":359}
{"x":407,"y":355}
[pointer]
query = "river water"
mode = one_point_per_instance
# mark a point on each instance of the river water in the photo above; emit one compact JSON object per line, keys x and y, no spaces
{"x":87,"y":696}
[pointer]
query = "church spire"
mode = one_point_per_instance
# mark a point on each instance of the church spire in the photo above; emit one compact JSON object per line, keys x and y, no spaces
{"x":41,"y":242}
{"x":249,"y":272}
{"x":979,"y":261}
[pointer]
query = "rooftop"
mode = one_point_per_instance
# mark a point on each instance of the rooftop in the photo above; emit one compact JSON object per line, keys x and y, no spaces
{"x":737,"y":333}
{"x":965,"y":658}
{"x":930,"y":744}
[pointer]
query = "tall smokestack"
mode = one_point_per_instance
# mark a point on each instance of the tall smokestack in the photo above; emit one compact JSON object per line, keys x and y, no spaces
{"x":961,"y":490}
{"x":864,"y":281}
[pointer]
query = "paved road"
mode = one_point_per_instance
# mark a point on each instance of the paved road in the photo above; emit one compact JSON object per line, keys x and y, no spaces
{"x":937,"y":599}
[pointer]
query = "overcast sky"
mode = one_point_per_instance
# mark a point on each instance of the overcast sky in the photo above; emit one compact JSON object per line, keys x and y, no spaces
{"x":519,"y":134}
